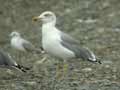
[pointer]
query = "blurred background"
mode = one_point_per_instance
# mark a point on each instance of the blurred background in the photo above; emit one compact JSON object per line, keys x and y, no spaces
{"x":95,"y":23}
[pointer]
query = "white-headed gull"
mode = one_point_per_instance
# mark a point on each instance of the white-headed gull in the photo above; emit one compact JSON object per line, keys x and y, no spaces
{"x":21,"y":44}
{"x":60,"y":44}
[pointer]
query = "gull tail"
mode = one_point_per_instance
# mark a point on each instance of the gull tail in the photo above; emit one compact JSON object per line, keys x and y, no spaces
{"x":92,"y":57}
{"x":97,"y":60}
{"x":22,"y":68}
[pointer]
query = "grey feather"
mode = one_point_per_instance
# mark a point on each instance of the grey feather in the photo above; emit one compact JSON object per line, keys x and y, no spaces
{"x":65,"y":37}
{"x":29,"y":47}
{"x":7,"y":62}
{"x":73,"y":45}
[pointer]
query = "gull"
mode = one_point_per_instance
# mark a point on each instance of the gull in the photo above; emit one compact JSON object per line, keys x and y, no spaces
{"x":60,"y":44}
{"x":6,"y":61}
{"x":21,"y":44}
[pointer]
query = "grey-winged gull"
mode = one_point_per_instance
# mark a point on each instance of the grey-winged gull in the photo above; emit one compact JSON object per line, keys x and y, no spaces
{"x":6,"y":61}
{"x":21,"y":44}
{"x":60,"y":44}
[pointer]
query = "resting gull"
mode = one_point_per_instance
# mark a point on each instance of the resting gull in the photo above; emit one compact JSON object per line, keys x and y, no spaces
{"x":60,"y":44}
{"x":21,"y":44}
{"x":6,"y":61}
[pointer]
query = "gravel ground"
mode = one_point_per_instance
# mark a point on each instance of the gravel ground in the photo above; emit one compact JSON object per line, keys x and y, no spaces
{"x":95,"y":23}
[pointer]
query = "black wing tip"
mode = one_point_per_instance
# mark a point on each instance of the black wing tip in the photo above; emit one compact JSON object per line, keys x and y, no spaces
{"x":22,"y":68}
{"x":97,"y":61}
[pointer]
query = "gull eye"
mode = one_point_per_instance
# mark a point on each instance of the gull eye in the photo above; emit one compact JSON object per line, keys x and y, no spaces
{"x":47,"y":15}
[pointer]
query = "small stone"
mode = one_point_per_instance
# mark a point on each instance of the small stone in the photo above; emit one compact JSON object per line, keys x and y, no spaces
{"x":31,"y":83}
{"x":87,"y":69}
{"x":107,"y":66}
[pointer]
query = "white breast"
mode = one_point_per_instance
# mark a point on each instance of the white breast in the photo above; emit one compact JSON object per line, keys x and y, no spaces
{"x":16,"y":42}
{"x":51,"y":44}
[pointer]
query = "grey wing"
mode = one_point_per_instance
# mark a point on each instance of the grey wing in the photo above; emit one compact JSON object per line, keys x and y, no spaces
{"x":73,"y":45}
{"x":65,"y":37}
{"x":6,"y":60}
{"x":29,"y":47}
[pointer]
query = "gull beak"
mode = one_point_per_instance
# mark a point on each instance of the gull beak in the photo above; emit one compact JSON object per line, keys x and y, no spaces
{"x":35,"y":19}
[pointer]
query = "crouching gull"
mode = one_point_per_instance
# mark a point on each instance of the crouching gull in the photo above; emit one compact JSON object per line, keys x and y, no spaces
{"x":59,"y":44}
{"x":6,"y":61}
{"x":21,"y":44}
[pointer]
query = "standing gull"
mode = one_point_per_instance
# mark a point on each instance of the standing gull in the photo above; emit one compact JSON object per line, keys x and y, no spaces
{"x":21,"y":44}
{"x":59,"y":44}
{"x":6,"y":61}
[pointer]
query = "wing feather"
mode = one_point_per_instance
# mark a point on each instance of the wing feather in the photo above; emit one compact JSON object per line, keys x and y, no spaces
{"x":73,"y":45}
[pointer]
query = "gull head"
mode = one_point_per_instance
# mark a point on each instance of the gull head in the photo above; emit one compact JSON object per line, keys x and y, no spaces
{"x":15,"y":34}
{"x":46,"y":17}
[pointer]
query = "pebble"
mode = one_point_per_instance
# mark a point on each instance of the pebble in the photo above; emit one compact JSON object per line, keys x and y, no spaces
{"x":87,"y":69}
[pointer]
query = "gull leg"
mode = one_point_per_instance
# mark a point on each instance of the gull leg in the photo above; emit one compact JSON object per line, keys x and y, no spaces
{"x":65,"y":68}
{"x":44,"y":59}
{"x":41,"y":63}
{"x":59,"y":70}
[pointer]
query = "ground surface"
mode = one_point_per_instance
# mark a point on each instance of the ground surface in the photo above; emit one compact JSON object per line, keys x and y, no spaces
{"x":95,"y":23}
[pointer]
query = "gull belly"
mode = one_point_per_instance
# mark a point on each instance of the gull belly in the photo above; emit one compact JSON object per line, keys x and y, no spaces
{"x":56,"y":49}
{"x":52,"y":45}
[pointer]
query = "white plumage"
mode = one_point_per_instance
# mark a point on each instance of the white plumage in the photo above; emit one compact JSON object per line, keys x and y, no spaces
{"x":51,"y":43}
{"x":21,"y":44}
{"x":59,"y":44}
{"x":17,"y":41}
